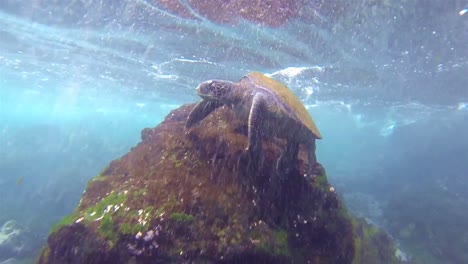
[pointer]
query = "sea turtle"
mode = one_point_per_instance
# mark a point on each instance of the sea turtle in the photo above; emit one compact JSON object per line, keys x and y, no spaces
{"x":270,"y":110}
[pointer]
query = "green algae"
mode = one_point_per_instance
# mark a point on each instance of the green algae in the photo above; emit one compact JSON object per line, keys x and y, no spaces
{"x":181,"y":217}
{"x":140,"y":192}
{"x":100,"y":177}
{"x":137,"y":221}
{"x":271,"y":241}
{"x":321,"y":182}
{"x":65,"y":221}
{"x":128,"y":229}
{"x":44,"y":255}
{"x":177,"y":162}
{"x":110,"y":204}
{"x":371,"y":245}
{"x":107,"y":229}
{"x":168,"y":206}
{"x":281,"y":243}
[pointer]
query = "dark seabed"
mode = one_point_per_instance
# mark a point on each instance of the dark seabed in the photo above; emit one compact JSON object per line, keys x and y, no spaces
{"x":385,"y":81}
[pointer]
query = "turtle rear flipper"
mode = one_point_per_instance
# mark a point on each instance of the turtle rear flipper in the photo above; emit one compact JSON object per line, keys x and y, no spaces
{"x":201,"y":110}
{"x":311,"y":155}
{"x":287,"y":161}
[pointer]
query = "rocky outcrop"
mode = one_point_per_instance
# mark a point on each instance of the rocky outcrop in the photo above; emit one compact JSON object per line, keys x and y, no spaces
{"x":195,"y":197}
{"x":272,"y":13}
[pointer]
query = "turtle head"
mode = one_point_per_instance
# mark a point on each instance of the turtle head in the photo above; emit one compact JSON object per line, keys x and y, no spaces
{"x":216,"y":90}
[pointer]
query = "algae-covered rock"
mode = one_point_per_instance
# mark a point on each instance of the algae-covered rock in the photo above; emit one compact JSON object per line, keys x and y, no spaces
{"x":271,"y":13}
{"x":194,"y":197}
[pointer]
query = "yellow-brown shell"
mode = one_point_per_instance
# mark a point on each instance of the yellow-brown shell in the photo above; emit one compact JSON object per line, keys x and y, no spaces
{"x":288,"y":97}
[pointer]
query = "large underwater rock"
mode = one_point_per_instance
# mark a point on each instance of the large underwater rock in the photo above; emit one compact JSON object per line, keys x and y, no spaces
{"x":272,"y":13}
{"x":194,"y":197}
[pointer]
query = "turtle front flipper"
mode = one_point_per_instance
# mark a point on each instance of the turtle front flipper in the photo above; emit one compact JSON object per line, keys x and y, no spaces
{"x":257,"y":111}
{"x":201,"y":110}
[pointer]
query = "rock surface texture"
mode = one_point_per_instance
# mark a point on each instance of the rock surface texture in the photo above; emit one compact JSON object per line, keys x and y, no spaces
{"x":271,"y":13}
{"x":195,"y":197}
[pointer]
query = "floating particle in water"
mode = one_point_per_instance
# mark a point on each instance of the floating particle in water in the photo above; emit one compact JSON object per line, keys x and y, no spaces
{"x":19,"y":181}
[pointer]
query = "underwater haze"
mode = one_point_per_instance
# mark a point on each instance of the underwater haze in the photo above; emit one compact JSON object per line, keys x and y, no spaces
{"x":385,"y":81}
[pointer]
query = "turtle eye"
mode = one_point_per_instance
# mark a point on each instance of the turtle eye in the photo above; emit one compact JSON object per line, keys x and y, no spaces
{"x":214,"y":89}
{"x":218,"y":89}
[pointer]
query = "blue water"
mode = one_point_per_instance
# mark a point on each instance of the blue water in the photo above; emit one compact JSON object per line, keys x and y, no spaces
{"x":386,"y":83}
